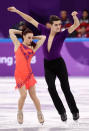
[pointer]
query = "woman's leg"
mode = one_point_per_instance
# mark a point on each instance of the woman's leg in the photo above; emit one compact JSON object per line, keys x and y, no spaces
{"x":23,"y":94}
{"x":34,"y":98}
{"x":36,"y":101}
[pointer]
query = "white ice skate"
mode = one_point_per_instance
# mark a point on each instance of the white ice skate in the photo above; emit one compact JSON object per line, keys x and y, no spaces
{"x":20,"y":117}
{"x":40,"y":117}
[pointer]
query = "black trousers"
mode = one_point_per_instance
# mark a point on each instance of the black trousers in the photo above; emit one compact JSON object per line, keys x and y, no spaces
{"x":57,"y":68}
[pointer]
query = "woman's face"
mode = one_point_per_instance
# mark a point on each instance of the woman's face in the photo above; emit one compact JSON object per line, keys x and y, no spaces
{"x":28,"y":38}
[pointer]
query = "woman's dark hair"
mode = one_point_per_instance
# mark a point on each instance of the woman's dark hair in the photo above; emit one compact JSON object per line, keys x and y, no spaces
{"x":25,"y":31}
{"x":53,"y":18}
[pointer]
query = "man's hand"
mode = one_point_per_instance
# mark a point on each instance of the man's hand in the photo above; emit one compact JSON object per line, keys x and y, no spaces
{"x":74,"y":13}
{"x":12,"y":9}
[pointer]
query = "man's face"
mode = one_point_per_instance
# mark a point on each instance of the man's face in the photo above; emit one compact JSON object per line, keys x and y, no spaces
{"x":56,"y":26}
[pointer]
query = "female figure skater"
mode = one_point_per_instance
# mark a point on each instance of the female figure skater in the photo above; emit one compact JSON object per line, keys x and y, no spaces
{"x":23,"y":73}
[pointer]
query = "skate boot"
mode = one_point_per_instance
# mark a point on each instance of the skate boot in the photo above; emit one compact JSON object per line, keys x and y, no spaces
{"x":20,"y":117}
{"x":40,"y":117}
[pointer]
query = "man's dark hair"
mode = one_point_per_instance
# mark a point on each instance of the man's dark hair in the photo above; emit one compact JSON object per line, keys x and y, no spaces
{"x":53,"y":18}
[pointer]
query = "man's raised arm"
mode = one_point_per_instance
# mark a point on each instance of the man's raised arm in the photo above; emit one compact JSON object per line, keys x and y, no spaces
{"x":76,"y":23}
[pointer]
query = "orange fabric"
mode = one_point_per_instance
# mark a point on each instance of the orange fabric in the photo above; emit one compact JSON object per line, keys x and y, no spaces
{"x":23,"y":71}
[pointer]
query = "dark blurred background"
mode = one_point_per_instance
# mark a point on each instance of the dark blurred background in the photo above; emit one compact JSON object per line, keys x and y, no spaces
{"x":39,"y":9}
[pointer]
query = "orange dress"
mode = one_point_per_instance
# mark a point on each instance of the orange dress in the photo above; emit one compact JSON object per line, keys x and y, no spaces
{"x":23,"y":70}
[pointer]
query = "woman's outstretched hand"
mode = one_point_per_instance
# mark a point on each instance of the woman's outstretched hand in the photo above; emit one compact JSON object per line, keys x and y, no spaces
{"x":12,"y":9}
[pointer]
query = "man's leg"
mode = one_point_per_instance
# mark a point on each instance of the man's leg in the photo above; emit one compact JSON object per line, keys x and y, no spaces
{"x":63,"y":77}
{"x":50,"y":79}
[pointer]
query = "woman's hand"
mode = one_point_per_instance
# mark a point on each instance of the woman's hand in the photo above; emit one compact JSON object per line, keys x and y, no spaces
{"x":12,"y":9}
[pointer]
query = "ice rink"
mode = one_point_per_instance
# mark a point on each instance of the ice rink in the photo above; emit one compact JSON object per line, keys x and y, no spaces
{"x":8,"y":107}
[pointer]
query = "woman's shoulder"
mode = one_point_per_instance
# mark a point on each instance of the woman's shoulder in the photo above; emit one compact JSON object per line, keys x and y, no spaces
{"x":16,"y":48}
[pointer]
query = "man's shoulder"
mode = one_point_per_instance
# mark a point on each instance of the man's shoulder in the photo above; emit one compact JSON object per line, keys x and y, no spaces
{"x":44,"y":30}
{"x":42,"y":26}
